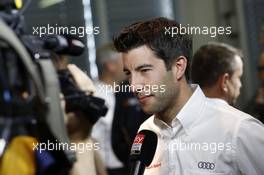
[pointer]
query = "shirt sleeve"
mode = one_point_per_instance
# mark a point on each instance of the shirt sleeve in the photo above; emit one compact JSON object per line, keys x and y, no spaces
{"x":250,"y":147}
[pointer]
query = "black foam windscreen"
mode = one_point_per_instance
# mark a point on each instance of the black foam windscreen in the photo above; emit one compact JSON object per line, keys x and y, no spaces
{"x":144,"y":147}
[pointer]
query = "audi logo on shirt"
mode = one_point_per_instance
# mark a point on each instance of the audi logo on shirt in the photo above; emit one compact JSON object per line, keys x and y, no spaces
{"x":206,"y":165}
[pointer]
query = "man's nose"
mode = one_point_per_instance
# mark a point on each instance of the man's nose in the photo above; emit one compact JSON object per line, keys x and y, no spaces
{"x":136,"y":82}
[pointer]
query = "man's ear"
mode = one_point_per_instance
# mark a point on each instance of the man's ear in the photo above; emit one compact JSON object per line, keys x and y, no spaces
{"x":179,"y":66}
{"x":224,"y":80}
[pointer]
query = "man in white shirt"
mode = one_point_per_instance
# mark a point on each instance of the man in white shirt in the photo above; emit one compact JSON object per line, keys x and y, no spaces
{"x":222,"y":64}
{"x":196,"y":135}
{"x":109,"y":65}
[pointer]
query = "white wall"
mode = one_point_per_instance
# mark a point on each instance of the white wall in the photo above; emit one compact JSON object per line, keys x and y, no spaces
{"x":198,"y":13}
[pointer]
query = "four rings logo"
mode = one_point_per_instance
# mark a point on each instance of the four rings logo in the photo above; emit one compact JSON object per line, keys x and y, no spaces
{"x":206,"y":165}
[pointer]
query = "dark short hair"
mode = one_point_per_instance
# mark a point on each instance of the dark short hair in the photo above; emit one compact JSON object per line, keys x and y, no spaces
{"x":104,"y":54}
{"x":152,"y":33}
{"x":211,"y":61}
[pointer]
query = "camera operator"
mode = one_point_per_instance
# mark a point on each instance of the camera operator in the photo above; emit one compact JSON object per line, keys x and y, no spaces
{"x":30,"y":106}
{"x":79,"y":123}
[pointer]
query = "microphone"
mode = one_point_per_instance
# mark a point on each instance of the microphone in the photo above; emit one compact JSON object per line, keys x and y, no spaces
{"x":142,"y":151}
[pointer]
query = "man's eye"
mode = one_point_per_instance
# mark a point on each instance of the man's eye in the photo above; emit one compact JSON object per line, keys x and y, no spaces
{"x":127,"y":73}
{"x":145,"y":70}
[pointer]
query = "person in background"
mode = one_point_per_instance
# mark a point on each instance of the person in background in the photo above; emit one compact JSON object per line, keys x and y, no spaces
{"x":79,"y":128}
{"x":256,"y":105}
{"x":109,"y":64}
{"x":217,"y":68}
{"x":79,"y":124}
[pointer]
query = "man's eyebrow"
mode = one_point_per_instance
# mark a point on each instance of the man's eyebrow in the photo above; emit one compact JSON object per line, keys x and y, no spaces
{"x":139,"y":67}
{"x":144,"y":66}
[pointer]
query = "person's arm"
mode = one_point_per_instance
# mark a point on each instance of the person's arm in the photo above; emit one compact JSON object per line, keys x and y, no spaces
{"x":99,"y":165}
{"x":82,"y":80}
{"x":250,"y":147}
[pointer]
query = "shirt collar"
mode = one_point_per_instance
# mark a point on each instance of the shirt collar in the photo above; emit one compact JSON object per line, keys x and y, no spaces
{"x":219,"y":101}
{"x":191,"y":110}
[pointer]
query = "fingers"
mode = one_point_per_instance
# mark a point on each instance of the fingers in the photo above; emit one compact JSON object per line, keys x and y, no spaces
{"x":81,"y":79}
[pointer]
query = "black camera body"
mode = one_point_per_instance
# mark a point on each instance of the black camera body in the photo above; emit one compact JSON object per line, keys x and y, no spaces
{"x":77,"y":100}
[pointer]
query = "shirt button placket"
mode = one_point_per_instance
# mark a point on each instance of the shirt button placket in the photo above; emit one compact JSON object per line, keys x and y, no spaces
{"x":171,"y":156}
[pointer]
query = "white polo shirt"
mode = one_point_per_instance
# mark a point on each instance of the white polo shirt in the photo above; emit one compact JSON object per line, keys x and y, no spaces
{"x":207,"y":137}
{"x":102,"y":130}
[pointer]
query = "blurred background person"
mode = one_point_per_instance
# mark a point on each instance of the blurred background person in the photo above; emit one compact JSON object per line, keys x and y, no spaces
{"x":79,"y":126}
{"x":110,"y":71}
{"x":218,"y":68}
{"x":79,"y":122}
{"x":256,"y":105}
